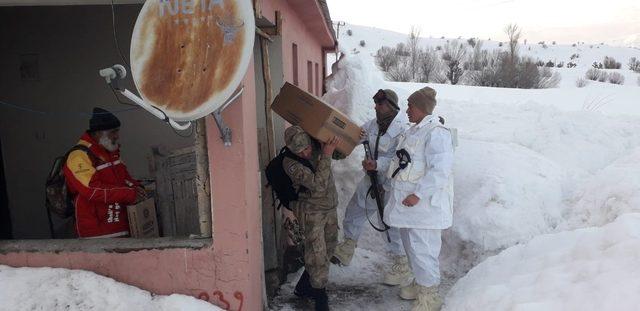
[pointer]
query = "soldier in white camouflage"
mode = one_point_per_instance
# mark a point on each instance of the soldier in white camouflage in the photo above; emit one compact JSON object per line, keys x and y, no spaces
{"x":310,"y":171}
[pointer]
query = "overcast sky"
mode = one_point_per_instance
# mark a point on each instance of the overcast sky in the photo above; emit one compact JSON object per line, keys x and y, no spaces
{"x":565,"y":21}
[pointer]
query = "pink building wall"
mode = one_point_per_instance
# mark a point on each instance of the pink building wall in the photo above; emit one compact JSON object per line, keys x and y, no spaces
{"x":229,"y":272}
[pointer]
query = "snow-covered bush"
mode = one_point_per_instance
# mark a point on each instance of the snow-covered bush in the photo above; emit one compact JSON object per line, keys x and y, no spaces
{"x":472,"y":42}
{"x":548,"y":79}
{"x":616,"y":78}
{"x":582,"y":82}
{"x":454,"y":55}
{"x":604,"y":76}
{"x":386,"y":58}
{"x":428,"y":65}
{"x":611,"y":63}
{"x":401,"y":72}
{"x":634,"y":64}
{"x":593,"y":74}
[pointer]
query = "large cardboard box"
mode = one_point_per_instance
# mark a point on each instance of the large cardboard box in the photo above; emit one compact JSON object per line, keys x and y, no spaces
{"x":143,"y":222}
{"x":316,"y":117}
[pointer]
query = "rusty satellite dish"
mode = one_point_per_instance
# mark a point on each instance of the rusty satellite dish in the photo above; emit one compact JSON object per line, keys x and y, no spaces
{"x":189,"y":56}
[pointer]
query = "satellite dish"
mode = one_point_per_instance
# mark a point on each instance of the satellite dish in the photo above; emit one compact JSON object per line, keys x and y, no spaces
{"x":188,"y":57}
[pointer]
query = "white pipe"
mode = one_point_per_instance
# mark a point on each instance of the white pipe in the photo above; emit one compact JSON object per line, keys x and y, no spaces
{"x":154,"y":111}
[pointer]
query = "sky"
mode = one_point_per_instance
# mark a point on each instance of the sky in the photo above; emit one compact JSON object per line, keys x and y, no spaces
{"x":564,"y":21}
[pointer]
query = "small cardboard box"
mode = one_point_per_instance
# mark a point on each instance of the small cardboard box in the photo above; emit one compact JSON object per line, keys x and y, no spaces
{"x":316,"y":117}
{"x":143,"y":222}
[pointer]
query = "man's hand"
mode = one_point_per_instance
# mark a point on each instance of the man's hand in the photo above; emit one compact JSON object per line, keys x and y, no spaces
{"x":369,"y":165}
{"x":363,"y":134}
{"x":330,"y":146}
{"x":141,"y":194}
{"x":410,"y":200}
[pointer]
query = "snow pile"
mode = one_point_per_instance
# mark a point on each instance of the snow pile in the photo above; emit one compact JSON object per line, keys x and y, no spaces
{"x":63,"y":289}
{"x":587,"y":269}
{"x":520,"y":165}
{"x":529,"y":163}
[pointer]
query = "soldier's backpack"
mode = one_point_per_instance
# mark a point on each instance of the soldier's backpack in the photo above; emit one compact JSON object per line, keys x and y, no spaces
{"x":58,"y":200}
{"x":282,"y":189}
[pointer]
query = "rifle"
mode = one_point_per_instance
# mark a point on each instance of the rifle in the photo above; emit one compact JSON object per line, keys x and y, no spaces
{"x":375,"y":190}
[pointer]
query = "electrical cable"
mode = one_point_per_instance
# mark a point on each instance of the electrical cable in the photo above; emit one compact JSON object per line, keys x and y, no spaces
{"x":118,"y":98}
{"x":62,"y":113}
{"x":115,"y":36}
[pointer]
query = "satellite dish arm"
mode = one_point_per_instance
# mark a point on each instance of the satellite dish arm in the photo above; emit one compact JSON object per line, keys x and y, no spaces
{"x":154,"y":111}
{"x":116,"y":73}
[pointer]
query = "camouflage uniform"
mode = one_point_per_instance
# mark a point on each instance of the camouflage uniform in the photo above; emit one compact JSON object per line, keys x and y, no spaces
{"x":315,"y":208}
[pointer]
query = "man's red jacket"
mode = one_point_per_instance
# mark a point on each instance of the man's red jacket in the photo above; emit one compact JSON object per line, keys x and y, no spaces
{"x":101,"y":188}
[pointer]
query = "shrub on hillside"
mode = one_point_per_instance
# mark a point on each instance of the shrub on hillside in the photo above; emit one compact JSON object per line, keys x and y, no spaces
{"x":550,"y":64}
{"x":540,"y":63}
{"x":582,"y":82}
{"x":472,"y":42}
{"x":349,"y":32}
{"x":604,"y":76}
{"x":560,"y":64}
{"x":574,"y":56}
{"x":593,"y":74}
{"x":610,"y":63}
{"x":571,"y":65}
{"x":548,"y":78}
{"x":401,"y":72}
{"x":634,"y":65}
{"x":386,"y":58}
{"x":616,"y":78}
{"x":597,"y":65}
{"x":362,"y":43}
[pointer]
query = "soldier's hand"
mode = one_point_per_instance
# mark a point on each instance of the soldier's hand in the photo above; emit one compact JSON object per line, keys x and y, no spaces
{"x":369,"y":165}
{"x":410,"y":200}
{"x":330,"y":146}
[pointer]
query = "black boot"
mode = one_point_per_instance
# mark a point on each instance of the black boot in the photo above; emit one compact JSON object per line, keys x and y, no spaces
{"x":321,"y":299}
{"x":303,"y":288}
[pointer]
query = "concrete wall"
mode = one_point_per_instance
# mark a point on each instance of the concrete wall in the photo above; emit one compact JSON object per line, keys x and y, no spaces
{"x":70,"y":44}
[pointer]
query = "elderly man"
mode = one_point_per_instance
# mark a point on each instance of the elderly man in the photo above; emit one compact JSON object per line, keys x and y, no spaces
{"x":382,"y":133}
{"x":421,"y":181}
{"x":311,"y":176}
{"x":99,"y":182}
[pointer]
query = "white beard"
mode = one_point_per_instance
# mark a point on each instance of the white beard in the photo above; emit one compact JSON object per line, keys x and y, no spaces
{"x":108,"y":144}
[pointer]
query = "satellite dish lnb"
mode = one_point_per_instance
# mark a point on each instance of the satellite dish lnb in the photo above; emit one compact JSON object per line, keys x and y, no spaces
{"x":189,"y":56}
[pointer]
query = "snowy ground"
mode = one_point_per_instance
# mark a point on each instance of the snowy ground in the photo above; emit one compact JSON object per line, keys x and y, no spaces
{"x":541,"y":177}
{"x":77,"y":290}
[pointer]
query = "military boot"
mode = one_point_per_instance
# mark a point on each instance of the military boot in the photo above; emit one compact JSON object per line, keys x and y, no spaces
{"x":410,"y":292}
{"x":428,"y":299}
{"x":303,"y":288}
{"x":321,"y":299}
{"x":400,"y":272}
{"x":344,"y":252}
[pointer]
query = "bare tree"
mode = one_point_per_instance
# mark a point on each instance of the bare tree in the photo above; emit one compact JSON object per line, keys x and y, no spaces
{"x":509,"y":68}
{"x":428,"y":65}
{"x":386,"y":58}
{"x":454,"y":56}
{"x":401,"y":72}
{"x":414,"y":50}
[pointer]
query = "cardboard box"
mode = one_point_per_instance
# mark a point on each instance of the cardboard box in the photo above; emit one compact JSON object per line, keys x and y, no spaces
{"x":143,"y":222}
{"x":316,"y":117}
